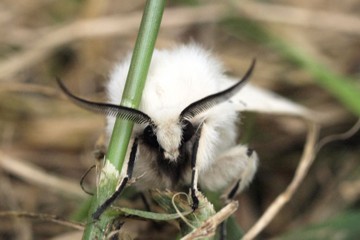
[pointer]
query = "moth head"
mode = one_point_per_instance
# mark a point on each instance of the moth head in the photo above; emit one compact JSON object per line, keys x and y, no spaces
{"x":169,"y":136}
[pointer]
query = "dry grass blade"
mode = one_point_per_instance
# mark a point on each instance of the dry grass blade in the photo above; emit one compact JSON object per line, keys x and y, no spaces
{"x":35,"y":51}
{"x":35,"y":175}
{"x":209,"y":226}
{"x":43,"y":217}
{"x":107,"y":26}
{"x":30,"y":88}
{"x":277,"y":13}
{"x":301,"y":171}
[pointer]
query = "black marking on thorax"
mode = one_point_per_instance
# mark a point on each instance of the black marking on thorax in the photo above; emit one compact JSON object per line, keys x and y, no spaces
{"x":171,"y":170}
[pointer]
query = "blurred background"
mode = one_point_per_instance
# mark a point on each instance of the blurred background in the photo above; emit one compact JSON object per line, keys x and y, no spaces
{"x":307,"y":51}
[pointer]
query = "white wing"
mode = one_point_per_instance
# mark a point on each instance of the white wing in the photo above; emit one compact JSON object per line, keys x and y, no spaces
{"x":255,"y":99}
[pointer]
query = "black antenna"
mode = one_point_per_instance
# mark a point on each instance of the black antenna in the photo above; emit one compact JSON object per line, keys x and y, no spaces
{"x":107,"y":109}
{"x":207,"y":102}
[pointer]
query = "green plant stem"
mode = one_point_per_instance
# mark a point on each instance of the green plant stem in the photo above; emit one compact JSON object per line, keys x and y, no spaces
{"x":131,"y":97}
{"x":135,"y":82}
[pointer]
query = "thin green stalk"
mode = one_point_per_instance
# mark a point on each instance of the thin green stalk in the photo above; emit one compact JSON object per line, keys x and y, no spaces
{"x":135,"y":82}
{"x":131,"y":97}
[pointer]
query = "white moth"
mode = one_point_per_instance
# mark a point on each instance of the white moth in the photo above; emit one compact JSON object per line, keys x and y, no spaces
{"x":186,"y":127}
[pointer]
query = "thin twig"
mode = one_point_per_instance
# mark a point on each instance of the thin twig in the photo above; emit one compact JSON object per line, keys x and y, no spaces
{"x":30,"y":88}
{"x":209,"y":226}
{"x":336,"y":137}
{"x":9,"y":198}
{"x":37,"y":176}
{"x":301,"y":171}
{"x":43,"y":217}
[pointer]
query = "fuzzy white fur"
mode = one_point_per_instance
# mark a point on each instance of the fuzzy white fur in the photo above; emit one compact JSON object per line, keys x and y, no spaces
{"x":177,"y":78}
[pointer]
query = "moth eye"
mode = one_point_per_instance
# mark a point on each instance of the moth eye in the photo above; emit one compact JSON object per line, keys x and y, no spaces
{"x":188,"y":130}
{"x":150,"y":136}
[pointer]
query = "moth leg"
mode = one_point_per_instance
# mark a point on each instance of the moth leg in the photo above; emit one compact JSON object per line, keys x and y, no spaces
{"x":194,"y":170}
{"x":230,"y":195}
{"x":247,"y":161}
{"x":244,"y":172}
{"x":145,"y":202}
{"x":130,"y":167}
{"x":223,"y":230}
{"x":237,"y":163}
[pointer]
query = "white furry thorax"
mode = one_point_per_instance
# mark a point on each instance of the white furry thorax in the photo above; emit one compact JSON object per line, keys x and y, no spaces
{"x":176,"y":78}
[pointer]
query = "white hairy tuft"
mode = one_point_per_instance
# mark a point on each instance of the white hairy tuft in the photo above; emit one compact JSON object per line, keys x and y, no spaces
{"x":177,"y":78}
